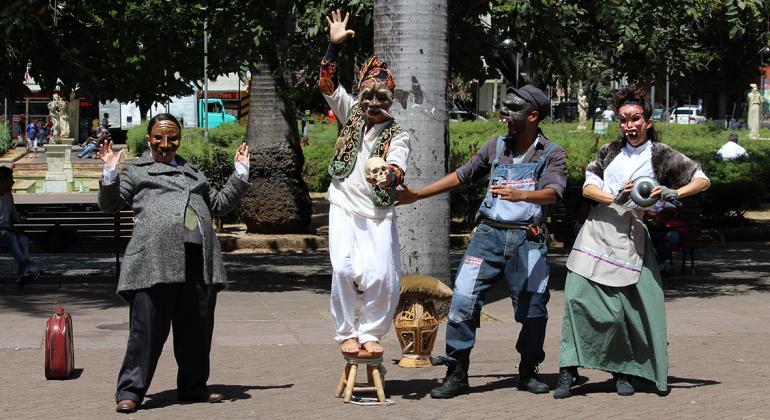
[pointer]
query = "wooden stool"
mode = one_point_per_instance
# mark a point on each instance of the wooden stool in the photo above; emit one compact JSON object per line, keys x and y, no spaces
{"x":374,"y":376}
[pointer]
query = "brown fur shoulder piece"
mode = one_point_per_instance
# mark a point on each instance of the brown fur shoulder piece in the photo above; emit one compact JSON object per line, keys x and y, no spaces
{"x":672,"y":168}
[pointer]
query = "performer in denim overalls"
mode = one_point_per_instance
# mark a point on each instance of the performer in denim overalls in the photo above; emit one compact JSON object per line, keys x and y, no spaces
{"x":527,"y":172}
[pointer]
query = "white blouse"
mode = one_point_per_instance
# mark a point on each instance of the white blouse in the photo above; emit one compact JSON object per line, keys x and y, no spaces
{"x":629,"y":164}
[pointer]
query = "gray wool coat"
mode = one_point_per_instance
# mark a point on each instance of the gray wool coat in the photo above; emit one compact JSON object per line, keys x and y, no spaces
{"x":158,"y":194}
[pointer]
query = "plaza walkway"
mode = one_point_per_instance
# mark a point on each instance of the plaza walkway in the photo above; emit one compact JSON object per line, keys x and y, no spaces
{"x":273,"y":356}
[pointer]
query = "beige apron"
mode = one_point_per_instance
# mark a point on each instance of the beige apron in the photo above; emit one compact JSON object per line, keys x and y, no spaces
{"x":609,"y":249}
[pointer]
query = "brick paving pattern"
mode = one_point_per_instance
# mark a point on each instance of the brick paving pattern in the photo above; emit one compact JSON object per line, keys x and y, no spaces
{"x":273,"y":357}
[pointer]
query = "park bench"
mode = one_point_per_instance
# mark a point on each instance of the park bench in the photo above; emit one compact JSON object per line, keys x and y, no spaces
{"x":697,"y":235}
{"x":74,"y":225}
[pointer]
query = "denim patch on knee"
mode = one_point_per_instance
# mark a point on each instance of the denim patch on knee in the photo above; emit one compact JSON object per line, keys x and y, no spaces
{"x":461,"y":309}
{"x":465,"y":281}
{"x":537,"y":272}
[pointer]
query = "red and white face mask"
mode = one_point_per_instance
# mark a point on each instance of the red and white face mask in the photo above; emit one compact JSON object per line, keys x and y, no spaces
{"x":633,"y":125}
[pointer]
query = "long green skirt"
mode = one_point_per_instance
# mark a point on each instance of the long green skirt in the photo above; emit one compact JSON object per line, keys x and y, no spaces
{"x":617,"y":329}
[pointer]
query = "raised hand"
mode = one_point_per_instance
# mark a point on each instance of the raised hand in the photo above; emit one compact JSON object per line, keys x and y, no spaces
{"x":242,"y":155}
{"x":109,"y":157}
{"x":338,"y":32}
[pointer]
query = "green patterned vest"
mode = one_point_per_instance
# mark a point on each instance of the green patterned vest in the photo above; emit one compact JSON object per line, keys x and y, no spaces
{"x":346,"y":151}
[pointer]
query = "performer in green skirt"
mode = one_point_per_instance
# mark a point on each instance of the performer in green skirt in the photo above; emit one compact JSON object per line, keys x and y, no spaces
{"x":614,"y":314}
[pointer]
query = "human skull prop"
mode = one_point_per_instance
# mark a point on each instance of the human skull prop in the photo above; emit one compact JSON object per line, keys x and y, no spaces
{"x":376,"y":170}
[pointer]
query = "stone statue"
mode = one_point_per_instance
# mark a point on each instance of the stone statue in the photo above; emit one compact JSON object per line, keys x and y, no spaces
{"x":755,"y":108}
{"x":582,"y":109}
{"x":57,"y":111}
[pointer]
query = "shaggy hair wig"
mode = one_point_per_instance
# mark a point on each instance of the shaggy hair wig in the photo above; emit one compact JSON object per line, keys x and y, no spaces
{"x":635,"y":95}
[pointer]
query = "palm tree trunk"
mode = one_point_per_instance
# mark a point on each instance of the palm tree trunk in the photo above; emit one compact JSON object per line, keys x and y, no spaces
{"x":411,"y":36}
{"x":278,"y":200}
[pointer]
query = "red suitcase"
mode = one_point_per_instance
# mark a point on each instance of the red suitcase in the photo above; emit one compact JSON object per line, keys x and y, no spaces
{"x":59,"y":347}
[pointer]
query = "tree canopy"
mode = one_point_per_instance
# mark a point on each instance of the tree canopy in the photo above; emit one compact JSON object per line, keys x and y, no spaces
{"x":640,"y":40}
{"x":151,"y":50}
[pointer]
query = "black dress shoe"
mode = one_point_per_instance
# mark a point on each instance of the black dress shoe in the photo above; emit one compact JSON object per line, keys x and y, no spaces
{"x":208,"y":397}
{"x":126,"y":406}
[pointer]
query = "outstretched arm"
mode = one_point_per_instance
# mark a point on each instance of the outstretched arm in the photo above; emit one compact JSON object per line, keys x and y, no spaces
{"x":447,"y":183}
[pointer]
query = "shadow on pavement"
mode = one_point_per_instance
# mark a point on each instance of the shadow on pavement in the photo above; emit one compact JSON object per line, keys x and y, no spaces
{"x":229,"y":392}
{"x":685,"y":383}
{"x":411,"y":389}
{"x":42,"y":299}
{"x":726,"y":269}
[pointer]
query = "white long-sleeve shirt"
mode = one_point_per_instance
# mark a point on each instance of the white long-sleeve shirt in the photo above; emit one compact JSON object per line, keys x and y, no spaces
{"x":628,"y":165}
{"x":731,"y":150}
{"x":353,"y":193}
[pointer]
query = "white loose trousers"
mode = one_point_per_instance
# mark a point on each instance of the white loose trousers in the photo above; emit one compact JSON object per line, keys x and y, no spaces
{"x":365,"y":255}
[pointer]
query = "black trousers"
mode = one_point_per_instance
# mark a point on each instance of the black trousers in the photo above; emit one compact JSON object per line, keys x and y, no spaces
{"x":189,"y":308}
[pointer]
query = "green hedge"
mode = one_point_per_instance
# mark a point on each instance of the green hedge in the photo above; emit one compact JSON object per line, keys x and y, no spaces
{"x":5,"y":138}
{"x":214,"y":159}
{"x":736,"y":186}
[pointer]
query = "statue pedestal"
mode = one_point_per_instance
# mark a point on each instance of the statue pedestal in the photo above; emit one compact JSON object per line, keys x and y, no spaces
{"x":59,"y":160}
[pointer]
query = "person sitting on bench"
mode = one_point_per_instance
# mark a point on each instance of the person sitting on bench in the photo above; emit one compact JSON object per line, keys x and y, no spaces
{"x":17,"y":243}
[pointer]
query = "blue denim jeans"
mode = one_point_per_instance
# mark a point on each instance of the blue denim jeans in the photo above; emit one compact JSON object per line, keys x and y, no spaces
{"x":494,"y":254}
{"x":87,"y":151}
{"x":18,"y":246}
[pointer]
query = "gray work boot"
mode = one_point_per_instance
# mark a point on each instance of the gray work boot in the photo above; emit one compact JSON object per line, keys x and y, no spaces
{"x":623,"y":385}
{"x":455,"y":383}
{"x":529,"y":381}
{"x":567,"y":377}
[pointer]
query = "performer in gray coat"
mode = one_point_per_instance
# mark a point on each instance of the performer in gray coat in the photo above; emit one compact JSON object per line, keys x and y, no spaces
{"x":173,"y":267}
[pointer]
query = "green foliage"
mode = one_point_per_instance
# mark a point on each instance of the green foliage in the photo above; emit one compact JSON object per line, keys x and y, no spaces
{"x":736,"y":186}
{"x":214,"y":159}
{"x":459,"y":91}
{"x":227,"y":135}
{"x":135,"y":139}
{"x":5,"y":138}
{"x":317,"y":154}
{"x":640,"y":40}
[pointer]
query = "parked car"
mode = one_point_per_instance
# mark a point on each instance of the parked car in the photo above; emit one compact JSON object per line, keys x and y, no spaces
{"x":458,"y":112}
{"x":687,"y":115}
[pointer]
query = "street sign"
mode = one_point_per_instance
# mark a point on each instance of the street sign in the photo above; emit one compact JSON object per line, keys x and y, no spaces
{"x":601,"y":126}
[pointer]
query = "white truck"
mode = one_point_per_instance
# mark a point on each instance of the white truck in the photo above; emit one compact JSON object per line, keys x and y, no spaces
{"x":187,"y":109}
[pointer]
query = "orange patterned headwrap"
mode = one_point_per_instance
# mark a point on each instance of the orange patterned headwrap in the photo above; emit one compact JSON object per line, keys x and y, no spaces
{"x":376,"y":69}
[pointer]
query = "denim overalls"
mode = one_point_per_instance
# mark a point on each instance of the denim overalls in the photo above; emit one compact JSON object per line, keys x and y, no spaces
{"x":498,"y":252}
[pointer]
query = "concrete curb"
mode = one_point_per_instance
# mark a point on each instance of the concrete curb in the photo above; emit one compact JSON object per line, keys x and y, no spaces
{"x":273,"y":243}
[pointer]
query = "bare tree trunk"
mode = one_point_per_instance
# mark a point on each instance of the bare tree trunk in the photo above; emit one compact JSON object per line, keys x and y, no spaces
{"x":411,"y":36}
{"x":278,"y":201}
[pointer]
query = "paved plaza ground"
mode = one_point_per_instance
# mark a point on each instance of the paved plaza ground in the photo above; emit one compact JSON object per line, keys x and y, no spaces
{"x":273,"y":356}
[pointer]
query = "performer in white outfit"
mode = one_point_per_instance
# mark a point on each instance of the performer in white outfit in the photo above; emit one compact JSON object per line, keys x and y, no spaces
{"x":368,"y":163}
